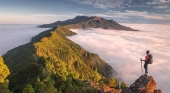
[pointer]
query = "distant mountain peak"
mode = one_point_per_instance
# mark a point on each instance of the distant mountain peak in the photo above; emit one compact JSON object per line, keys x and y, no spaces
{"x":85,"y":22}
{"x":87,"y":18}
{"x":96,"y":18}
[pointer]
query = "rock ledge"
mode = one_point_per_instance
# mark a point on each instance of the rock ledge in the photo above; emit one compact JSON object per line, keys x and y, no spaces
{"x":144,"y":84}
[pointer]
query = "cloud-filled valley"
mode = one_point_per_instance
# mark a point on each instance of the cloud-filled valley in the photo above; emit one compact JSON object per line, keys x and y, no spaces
{"x":12,"y":36}
{"x":123,"y":50}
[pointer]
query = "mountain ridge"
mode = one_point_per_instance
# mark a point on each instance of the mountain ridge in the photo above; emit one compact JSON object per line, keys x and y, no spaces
{"x":50,"y":59}
{"x":51,"y":63}
{"x":86,"y":22}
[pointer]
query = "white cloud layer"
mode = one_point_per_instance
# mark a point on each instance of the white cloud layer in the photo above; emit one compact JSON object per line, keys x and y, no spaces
{"x":165,"y":1}
{"x":123,"y":50}
{"x":12,"y":36}
{"x":161,"y":7}
{"x":104,"y":3}
{"x":154,"y":2}
{"x":167,"y":11}
{"x":128,"y":14}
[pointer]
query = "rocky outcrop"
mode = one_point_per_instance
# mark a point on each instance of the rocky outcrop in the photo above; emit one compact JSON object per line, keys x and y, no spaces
{"x":144,"y":84}
{"x":107,"y":89}
{"x":96,"y":18}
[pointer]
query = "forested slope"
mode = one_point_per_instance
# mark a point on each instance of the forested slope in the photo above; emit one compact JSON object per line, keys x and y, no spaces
{"x":51,"y":63}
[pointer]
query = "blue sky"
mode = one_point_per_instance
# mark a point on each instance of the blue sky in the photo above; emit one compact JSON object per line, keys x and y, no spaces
{"x":47,"y":11}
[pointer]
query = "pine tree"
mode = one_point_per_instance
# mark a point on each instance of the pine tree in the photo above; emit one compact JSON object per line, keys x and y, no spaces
{"x":4,"y":71}
{"x":4,"y":87}
{"x":117,"y":85}
{"x":113,"y":83}
{"x":45,"y":84}
{"x":123,"y":85}
{"x":96,"y":76}
{"x":28,"y":89}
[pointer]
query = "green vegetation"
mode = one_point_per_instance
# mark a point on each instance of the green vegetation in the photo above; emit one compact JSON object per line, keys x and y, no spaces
{"x":113,"y":83}
{"x":123,"y":85}
{"x":28,"y":89}
{"x":102,"y":23}
{"x":4,"y":87}
{"x":4,"y":72}
{"x":51,"y":63}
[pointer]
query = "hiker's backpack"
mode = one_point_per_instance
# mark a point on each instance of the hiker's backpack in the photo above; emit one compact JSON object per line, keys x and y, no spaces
{"x":150,"y":59}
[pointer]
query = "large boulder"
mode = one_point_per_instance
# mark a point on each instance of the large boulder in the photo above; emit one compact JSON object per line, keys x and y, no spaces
{"x":144,"y":84}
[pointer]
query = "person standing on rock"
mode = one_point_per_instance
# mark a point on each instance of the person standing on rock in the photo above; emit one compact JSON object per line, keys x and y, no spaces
{"x":146,"y":61}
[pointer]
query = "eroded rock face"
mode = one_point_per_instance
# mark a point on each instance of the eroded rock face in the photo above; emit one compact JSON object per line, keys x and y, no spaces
{"x":144,"y":84}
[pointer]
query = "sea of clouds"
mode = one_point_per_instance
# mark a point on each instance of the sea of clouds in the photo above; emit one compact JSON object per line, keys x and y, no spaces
{"x":12,"y":36}
{"x":123,"y":50}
